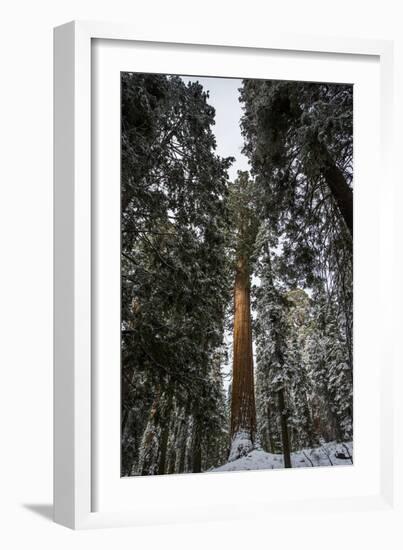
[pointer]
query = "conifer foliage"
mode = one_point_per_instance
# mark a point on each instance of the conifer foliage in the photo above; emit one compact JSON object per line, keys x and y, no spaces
{"x":264,"y":261}
{"x":175,"y":276}
{"x":298,"y":137}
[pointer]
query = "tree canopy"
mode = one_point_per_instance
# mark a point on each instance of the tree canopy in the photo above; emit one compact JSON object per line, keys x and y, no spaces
{"x":264,"y":261}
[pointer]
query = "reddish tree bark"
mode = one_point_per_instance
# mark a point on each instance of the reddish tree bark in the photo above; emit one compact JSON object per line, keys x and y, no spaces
{"x":243,"y":411}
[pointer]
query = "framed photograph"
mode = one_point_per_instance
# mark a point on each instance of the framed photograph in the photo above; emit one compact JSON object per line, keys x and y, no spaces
{"x":222,"y":250}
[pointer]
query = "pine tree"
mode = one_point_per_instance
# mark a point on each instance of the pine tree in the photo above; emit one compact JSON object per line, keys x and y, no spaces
{"x":274,"y":373}
{"x":299,"y":139}
{"x":175,"y":268}
{"x":298,"y":329}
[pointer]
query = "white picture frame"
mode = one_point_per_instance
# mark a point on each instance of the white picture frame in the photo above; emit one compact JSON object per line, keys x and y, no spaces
{"x":79,"y":435}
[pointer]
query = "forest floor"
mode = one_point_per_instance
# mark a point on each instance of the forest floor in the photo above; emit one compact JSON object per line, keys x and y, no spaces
{"x":329,"y":454}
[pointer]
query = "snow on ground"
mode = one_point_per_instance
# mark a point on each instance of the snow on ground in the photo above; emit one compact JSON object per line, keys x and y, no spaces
{"x":329,"y":454}
{"x":241,"y":446}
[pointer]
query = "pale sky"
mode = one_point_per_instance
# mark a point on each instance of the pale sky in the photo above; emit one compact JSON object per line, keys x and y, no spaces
{"x":224,"y":95}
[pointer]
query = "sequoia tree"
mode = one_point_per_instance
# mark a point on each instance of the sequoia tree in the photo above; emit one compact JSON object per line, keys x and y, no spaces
{"x":243,"y":411}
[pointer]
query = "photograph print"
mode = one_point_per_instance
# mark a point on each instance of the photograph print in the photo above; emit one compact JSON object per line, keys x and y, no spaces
{"x":236,"y":274}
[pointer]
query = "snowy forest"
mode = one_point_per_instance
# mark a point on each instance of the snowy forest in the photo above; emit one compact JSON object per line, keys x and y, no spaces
{"x":236,"y":291}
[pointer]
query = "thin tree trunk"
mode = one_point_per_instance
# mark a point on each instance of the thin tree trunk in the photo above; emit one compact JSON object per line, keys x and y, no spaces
{"x":196,"y":447}
{"x":149,"y":445}
{"x":173,"y":452}
{"x":278,"y":350}
{"x":309,"y":423}
{"x":342,"y":193}
{"x":243,"y":412}
{"x":181,"y":452}
{"x":284,"y":429}
{"x":165,"y":434}
{"x":269,"y":431}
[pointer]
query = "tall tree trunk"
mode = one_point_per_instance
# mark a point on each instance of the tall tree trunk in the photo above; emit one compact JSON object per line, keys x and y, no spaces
{"x":243,"y":411}
{"x":148,"y":461}
{"x":196,"y":447}
{"x":278,"y":338}
{"x":182,"y":439}
{"x":165,"y":433}
{"x":284,"y":429}
{"x":175,"y":444}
